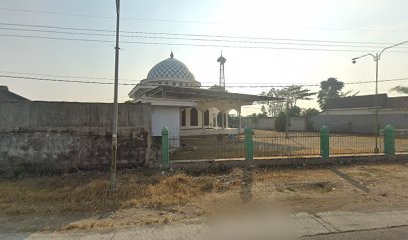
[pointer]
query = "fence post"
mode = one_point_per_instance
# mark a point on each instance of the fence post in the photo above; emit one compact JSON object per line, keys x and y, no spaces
{"x":165,"y":146}
{"x":389,"y":140}
{"x":324,"y":142}
{"x":249,"y":147}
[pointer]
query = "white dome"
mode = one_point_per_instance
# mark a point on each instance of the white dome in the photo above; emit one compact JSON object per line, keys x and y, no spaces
{"x":170,"y":69}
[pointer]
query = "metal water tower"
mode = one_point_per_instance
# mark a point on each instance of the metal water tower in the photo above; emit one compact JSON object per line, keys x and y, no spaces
{"x":222,"y":61}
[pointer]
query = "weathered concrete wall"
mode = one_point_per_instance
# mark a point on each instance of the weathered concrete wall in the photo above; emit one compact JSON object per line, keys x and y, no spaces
{"x":60,"y":150}
{"x":267,"y":123}
{"x":38,"y":114}
{"x":63,"y":136}
{"x":359,"y":123}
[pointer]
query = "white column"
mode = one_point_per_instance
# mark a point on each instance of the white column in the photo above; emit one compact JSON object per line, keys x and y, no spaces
{"x":222,"y":120}
{"x":239,"y":116}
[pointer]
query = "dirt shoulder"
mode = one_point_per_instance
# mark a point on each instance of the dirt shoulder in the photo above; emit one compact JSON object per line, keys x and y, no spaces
{"x":81,"y":200}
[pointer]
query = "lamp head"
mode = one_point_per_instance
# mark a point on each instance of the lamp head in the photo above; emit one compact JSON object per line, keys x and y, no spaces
{"x":353,"y":61}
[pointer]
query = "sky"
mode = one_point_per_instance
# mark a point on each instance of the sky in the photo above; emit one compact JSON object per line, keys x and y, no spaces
{"x":268,"y":43}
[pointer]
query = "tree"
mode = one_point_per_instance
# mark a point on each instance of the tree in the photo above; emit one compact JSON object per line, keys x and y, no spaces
{"x":291,"y":94}
{"x":400,"y":89}
{"x":329,"y":89}
{"x":308,"y":114}
{"x":296,"y":92}
{"x":280,"y":121}
{"x":275,"y":107}
{"x":294,"y":111}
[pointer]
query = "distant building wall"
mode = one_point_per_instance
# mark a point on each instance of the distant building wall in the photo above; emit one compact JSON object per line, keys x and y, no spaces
{"x":267,"y":123}
{"x":359,"y":123}
{"x":63,"y":136}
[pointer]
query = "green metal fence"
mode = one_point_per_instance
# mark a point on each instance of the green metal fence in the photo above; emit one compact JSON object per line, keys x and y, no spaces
{"x":354,"y":144}
{"x":282,"y":144}
{"x":401,"y":140}
{"x":207,"y":147}
{"x":259,"y":144}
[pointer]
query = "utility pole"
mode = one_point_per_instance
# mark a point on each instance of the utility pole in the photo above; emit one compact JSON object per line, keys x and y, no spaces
{"x":377,"y":58}
{"x":113,"y":184}
{"x":287,"y":119}
{"x":376,"y":120}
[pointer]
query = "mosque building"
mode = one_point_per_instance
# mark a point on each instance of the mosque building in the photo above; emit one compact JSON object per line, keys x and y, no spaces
{"x":180,"y":103}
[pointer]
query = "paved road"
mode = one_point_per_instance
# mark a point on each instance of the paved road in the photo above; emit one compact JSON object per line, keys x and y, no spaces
{"x":326,"y":225}
{"x":394,"y":233}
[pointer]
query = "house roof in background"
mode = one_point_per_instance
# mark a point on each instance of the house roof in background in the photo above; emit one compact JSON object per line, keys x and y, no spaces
{"x":367,"y":101}
{"x":6,"y":95}
{"x":397,"y":102}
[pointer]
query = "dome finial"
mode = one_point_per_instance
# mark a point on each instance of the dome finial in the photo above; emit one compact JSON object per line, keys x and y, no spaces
{"x":171,"y":54}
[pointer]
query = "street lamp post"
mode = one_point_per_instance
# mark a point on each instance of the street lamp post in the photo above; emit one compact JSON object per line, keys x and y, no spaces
{"x":376,"y":58}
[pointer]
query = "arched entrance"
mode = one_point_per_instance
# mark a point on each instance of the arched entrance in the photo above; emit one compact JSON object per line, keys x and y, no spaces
{"x":232,"y":118}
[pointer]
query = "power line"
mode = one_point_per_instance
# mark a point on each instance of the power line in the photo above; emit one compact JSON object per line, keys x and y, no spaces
{"x":67,"y":76}
{"x":106,"y":17}
{"x":189,"y":44}
{"x":56,"y":31}
{"x":59,"y":80}
{"x":188,"y":38}
{"x":57,"y":38}
{"x":195,"y":35}
{"x":98,"y":78}
{"x":174,"y":38}
{"x":167,"y":20}
{"x":56,"y":27}
{"x":241,"y":86}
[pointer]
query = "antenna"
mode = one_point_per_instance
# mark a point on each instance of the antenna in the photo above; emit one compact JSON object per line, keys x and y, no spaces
{"x":222,"y":61}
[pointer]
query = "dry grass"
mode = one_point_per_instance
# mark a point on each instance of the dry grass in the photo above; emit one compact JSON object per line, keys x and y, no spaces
{"x":89,"y":192}
{"x":82,"y":201}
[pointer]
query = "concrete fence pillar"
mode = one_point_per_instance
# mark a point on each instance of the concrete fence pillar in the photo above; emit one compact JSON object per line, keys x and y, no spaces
{"x":165,"y":147}
{"x":389,"y":140}
{"x":249,"y":147}
{"x":324,"y":142}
